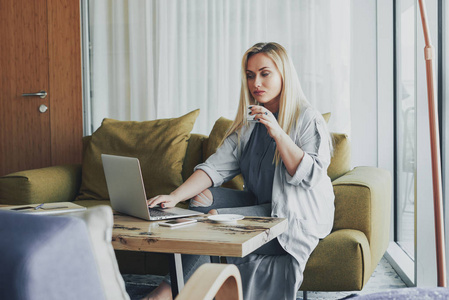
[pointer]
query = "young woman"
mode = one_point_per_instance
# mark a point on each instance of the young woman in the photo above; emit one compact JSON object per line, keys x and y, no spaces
{"x":283,"y":158}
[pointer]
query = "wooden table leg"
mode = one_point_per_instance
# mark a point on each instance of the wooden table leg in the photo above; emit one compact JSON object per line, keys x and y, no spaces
{"x":176,"y":274}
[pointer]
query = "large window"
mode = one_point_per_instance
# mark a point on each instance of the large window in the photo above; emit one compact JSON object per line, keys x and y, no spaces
{"x":444,"y":90}
{"x":414,"y":208}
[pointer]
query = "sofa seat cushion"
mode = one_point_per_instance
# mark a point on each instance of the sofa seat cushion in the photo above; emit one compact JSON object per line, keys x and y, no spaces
{"x":340,"y":262}
{"x":160,"y":145}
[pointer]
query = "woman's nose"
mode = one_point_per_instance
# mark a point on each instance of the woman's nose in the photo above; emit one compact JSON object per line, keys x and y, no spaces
{"x":257,"y":82}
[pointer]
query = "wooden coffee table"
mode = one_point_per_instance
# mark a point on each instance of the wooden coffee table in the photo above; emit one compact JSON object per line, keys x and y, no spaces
{"x":204,"y":238}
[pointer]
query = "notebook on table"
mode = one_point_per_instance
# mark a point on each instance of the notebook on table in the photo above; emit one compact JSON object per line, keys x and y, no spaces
{"x":127,"y":191}
{"x":51,"y":208}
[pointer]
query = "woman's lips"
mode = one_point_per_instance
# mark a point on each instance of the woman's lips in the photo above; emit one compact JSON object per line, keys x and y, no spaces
{"x":258,"y":93}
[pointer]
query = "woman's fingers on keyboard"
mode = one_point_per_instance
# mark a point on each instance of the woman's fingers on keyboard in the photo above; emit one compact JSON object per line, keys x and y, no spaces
{"x":155,"y":201}
{"x":163,"y":200}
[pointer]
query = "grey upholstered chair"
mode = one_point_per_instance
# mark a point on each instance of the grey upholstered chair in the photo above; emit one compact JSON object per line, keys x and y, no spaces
{"x":46,"y":257}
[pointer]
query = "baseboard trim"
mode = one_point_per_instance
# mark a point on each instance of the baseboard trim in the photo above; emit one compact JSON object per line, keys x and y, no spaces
{"x":401,"y":263}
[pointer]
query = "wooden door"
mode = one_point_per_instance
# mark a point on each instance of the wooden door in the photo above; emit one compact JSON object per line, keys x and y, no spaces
{"x":66,"y":113}
{"x":24,"y":130}
{"x":40,"y":51}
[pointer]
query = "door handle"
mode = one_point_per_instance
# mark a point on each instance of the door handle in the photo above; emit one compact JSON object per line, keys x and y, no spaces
{"x":41,"y":94}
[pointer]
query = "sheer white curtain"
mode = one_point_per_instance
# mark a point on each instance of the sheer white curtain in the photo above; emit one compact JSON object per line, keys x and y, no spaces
{"x":161,"y":59}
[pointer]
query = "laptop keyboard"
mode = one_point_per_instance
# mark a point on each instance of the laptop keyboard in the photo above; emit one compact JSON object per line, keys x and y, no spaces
{"x":154,"y":212}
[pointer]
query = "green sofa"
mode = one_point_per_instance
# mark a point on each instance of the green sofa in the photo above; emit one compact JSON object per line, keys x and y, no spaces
{"x":343,"y":261}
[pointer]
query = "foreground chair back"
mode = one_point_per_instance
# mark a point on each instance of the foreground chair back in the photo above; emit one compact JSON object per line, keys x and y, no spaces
{"x":46,"y":258}
{"x":59,"y":257}
{"x":219,"y":281}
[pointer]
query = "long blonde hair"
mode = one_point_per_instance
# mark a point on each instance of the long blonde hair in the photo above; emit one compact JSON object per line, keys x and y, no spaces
{"x":291,"y":99}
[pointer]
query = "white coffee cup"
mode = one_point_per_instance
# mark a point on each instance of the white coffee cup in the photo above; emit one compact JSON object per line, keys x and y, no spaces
{"x":250,"y":118}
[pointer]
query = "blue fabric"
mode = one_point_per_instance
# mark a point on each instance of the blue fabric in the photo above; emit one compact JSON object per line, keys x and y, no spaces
{"x":46,"y":257}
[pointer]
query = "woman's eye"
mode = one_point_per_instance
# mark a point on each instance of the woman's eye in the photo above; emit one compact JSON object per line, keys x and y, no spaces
{"x":265,"y":74}
{"x":249,"y":76}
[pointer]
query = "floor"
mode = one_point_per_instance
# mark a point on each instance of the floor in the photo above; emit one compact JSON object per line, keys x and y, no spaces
{"x":384,"y":278}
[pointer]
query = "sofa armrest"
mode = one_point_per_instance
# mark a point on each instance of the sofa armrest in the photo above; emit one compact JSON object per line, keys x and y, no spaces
{"x":52,"y":184}
{"x":340,"y":262}
{"x":363,"y":202}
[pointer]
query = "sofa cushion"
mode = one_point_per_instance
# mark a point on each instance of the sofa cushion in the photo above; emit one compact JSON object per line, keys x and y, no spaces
{"x":194,"y":154}
{"x":341,"y":158}
{"x":160,"y":145}
{"x":216,"y":135}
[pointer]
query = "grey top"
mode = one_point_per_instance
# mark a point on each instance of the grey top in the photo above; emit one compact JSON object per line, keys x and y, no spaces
{"x":257,"y":165}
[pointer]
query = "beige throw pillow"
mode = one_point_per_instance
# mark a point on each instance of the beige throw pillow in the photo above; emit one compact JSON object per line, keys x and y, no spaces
{"x":160,"y":146}
{"x":341,"y":158}
{"x":216,"y":135}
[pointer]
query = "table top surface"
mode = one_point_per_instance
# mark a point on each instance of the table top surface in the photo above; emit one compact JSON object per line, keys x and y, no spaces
{"x":204,"y":237}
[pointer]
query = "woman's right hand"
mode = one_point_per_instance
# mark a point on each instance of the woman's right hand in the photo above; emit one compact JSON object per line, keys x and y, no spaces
{"x":195,"y":184}
{"x":164,"y":201}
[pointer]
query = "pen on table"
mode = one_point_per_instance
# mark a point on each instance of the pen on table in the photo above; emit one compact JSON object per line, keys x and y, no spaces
{"x":54,"y":207}
{"x":39,"y":206}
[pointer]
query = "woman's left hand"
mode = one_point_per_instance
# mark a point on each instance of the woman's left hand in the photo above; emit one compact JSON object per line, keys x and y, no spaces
{"x":290,"y":153}
{"x":267,"y":118}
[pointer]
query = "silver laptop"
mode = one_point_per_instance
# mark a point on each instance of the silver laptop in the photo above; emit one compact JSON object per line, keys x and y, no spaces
{"x":127,"y":191}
